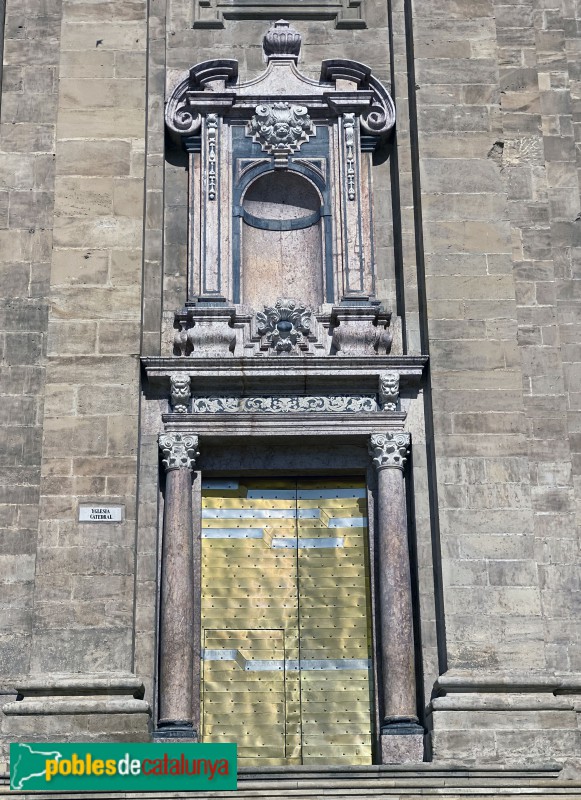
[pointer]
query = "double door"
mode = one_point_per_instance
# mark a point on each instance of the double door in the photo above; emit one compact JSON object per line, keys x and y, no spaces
{"x":286,"y":639}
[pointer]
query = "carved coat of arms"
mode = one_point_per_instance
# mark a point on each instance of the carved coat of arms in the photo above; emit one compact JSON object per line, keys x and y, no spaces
{"x":280,"y":128}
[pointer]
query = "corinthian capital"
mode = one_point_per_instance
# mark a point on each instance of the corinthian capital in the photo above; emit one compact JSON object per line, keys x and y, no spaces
{"x":389,"y":449}
{"x":179,"y":450}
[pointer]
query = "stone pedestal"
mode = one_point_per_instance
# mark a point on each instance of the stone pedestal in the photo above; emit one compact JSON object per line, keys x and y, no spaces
{"x":360,"y":327}
{"x":176,"y":634}
{"x":402,"y":749}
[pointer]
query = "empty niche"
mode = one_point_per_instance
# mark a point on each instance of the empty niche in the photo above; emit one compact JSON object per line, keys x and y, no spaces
{"x":282,"y":251}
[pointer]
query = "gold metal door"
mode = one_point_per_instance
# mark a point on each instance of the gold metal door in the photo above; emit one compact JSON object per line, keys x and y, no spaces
{"x":285,"y":620}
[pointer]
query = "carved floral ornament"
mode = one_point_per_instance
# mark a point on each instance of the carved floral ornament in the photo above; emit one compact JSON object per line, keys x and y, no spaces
{"x":285,"y":325}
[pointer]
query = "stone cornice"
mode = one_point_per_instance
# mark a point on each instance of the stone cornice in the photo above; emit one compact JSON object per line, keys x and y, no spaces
{"x":362,"y":368}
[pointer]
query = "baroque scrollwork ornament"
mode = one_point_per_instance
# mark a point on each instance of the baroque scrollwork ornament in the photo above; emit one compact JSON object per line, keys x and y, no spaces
{"x":180,"y":392}
{"x":345,"y":404}
{"x":280,"y":129}
{"x":389,"y":450}
{"x":285,"y":326}
{"x":179,"y":450}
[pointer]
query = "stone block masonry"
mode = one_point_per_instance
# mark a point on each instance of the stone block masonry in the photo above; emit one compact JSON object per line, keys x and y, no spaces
{"x":71,"y":199}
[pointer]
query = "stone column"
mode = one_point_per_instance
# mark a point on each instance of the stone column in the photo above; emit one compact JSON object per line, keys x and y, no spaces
{"x":401,"y":735}
{"x":176,"y":630}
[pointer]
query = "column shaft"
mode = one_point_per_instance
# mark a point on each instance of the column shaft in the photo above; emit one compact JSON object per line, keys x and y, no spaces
{"x":177,"y":601}
{"x":176,"y":630}
{"x":395,"y":600}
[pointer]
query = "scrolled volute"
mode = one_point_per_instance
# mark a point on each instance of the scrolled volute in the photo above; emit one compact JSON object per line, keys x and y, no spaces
{"x":379,"y":118}
{"x":180,"y":118}
{"x":179,"y":450}
{"x":390,"y":450}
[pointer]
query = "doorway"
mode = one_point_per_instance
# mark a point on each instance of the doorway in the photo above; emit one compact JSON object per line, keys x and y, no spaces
{"x":286,"y":637}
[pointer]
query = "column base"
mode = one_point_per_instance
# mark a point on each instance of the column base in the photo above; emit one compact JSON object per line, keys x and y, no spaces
{"x":177,"y":731}
{"x":402,"y":743}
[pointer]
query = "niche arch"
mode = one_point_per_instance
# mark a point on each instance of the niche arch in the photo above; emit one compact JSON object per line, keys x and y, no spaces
{"x":282,"y":237}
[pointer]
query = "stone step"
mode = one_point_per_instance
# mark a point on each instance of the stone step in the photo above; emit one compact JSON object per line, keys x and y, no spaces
{"x":448,"y":782}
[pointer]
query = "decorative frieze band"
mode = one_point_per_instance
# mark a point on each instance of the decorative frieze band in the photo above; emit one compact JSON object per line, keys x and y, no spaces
{"x":389,"y":450}
{"x":284,"y":404}
{"x":179,"y":450}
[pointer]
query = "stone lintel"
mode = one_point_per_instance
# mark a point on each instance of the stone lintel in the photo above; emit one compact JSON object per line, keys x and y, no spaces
{"x":341,"y":425}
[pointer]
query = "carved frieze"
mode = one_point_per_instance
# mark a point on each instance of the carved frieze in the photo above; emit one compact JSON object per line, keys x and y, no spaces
{"x":285,"y":326}
{"x":179,"y":450}
{"x":389,"y":450}
{"x":284,"y":404}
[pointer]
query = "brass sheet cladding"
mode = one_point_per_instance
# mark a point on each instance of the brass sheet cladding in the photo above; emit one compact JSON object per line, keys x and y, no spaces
{"x":286,"y":621}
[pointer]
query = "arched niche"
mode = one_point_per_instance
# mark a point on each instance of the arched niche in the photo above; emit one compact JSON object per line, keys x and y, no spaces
{"x":281,"y":240}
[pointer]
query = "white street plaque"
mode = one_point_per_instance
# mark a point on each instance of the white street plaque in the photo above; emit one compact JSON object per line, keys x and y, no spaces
{"x":98,"y":513}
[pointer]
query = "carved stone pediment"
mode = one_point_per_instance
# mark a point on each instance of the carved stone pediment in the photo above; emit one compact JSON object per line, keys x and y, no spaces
{"x":210,"y":87}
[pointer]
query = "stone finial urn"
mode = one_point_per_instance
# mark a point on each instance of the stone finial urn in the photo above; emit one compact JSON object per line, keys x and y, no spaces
{"x":282,"y":41}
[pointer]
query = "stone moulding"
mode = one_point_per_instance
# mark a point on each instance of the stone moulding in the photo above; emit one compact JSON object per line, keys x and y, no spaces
{"x":212,"y":13}
{"x":79,"y":694}
{"x":350,"y":404}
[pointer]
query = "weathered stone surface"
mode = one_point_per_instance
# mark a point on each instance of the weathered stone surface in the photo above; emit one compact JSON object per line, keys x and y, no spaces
{"x":478,"y":258}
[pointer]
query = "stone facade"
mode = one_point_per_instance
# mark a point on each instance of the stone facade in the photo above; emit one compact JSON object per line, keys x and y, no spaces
{"x":464,"y":334}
